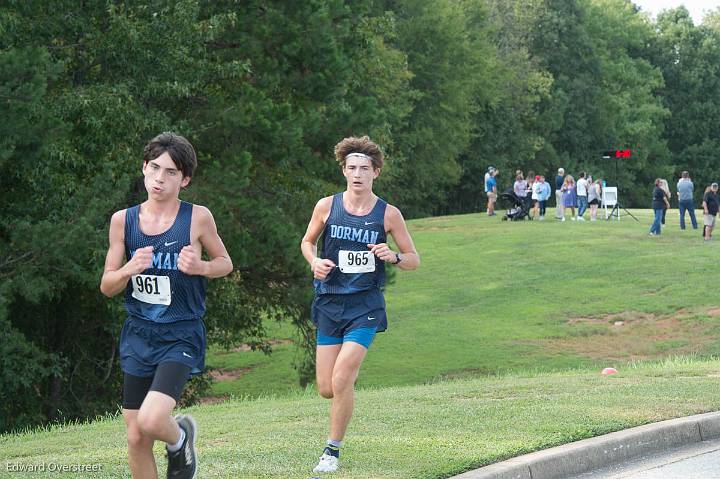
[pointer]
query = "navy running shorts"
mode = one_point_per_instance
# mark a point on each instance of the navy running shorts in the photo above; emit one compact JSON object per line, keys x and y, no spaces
{"x":336,"y":315}
{"x":145,"y":344}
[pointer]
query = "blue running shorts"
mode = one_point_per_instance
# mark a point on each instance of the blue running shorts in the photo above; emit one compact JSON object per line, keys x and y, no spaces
{"x":349,"y":317}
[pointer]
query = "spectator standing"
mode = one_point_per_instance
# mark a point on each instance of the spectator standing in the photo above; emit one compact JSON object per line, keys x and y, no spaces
{"x":520,"y":185}
{"x":685,"y":190}
{"x":582,"y":195}
{"x":666,"y":189}
{"x":530,"y":179}
{"x":536,"y":197}
{"x":594,"y":197}
{"x":569,"y":196}
{"x":710,"y":209}
{"x":559,"y":179}
{"x":541,"y":193}
{"x":491,"y":190}
{"x":658,"y":203}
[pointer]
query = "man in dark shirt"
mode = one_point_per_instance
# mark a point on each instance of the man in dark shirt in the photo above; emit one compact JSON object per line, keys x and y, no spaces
{"x":559,"y":210}
{"x":710,"y":209}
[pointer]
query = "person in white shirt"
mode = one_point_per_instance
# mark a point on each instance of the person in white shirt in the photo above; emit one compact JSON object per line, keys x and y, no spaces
{"x":582,"y":195}
{"x":536,"y":186}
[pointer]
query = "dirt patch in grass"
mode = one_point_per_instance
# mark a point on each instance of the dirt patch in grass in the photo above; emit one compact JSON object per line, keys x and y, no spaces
{"x":273,"y":342}
{"x":632,"y":335}
{"x":221,"y":375}
{"x":625,"y":316}
{"x":462,"y":374}
{"x":213,"y":399}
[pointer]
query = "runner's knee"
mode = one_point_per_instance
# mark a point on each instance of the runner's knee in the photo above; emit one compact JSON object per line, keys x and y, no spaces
{"x":325,"y":390}
{"x":150,"y":423}
{"x":342,"y":381}
{"x":137,"y":441}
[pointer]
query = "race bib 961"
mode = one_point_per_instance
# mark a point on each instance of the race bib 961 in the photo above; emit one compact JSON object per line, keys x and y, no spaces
{"x":151,"y":289}
{"x":356,"y":261}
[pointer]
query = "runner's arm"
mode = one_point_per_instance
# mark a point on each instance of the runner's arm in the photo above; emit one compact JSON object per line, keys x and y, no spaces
{"x":220,"y":263}
{"x":117,"y":272}
{"x":319,"y":266}
{"x":308,"y":245}
{"x":396,"y":227}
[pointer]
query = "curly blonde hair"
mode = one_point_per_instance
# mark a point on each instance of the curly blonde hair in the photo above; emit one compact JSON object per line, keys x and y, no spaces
{"x":362,"y":145}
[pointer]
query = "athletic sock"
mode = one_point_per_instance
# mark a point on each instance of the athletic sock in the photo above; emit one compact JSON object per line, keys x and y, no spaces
{"x":333,"y":448}
{"x":176,"y":447}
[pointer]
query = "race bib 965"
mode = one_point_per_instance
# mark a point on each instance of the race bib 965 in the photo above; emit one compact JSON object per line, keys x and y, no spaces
{"x":356,"y":261}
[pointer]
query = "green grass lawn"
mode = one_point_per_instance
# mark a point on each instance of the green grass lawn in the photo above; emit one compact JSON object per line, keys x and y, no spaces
{"x":493,"y":350}
{"x":493,"y":296}
{"x":423,"y":431}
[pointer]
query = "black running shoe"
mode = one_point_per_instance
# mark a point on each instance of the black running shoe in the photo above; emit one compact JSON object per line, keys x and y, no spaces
{"x":182,"y":464}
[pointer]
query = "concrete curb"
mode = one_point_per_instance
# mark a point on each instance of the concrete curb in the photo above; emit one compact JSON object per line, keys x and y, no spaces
{"x":590,"y":454}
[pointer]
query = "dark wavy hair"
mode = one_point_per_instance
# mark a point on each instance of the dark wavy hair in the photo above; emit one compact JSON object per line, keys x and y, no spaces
{"x":179,"y":149}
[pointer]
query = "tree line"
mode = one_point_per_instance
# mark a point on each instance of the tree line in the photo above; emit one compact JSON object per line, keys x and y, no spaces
{"x":264,"y":89}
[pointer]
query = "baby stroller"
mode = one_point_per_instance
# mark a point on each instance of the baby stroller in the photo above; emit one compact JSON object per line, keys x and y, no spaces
{"x":519,"y":207}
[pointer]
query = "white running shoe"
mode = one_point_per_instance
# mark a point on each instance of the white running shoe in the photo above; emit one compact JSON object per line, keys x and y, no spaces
{"x":580,"y":218}
{"x":327,"y":463}
{"x":563,"y":219}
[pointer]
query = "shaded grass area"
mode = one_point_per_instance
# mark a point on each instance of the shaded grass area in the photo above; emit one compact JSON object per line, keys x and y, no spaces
{"x":423,"y":431}
{"x":493,"y":296}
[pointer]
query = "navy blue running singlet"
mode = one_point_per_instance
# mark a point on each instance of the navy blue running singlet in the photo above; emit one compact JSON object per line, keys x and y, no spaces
{"x":351,"y":234}
{"x":163,"y":293}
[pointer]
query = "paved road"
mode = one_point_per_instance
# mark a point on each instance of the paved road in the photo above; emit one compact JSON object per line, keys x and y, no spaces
{"x":697,"y":461}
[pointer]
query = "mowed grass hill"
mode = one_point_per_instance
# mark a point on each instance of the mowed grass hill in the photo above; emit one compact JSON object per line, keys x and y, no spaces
{"x":492,"y":296}
{"x":493,"y":350}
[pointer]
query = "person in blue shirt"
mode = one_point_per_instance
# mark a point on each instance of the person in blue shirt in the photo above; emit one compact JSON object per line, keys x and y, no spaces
{"x":491,"y":190}
{"x":349,"y":306}
{"x":155,"y":258}
{"x":541,"y":193}
{"x":685,"y":189}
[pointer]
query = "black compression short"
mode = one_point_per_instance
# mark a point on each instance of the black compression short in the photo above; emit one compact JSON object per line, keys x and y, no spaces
{"x":169,"y":378}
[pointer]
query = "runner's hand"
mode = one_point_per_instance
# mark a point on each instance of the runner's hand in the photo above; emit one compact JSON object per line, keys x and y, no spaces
{"x":189,"y":262}
{"x":141,"y":260}
{"x":321,"y":268}
{"x":383,"y":252}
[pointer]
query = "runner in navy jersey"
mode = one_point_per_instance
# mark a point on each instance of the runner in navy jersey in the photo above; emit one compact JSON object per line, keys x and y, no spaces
{"x":349,"y":307}
{"x":155,"y":257}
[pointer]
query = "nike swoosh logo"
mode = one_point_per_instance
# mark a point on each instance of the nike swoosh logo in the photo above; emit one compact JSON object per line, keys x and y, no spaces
{"x":369,"y":223}
{"x":170,"y":244}
{"x":370,"y":319}
{"x":186,"y":355}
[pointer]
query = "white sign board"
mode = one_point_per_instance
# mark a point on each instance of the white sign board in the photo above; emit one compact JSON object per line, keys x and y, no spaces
{"x":610,"y":196}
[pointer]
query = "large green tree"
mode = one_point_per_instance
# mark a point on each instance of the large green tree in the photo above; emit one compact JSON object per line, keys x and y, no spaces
{"x":689,"y":58}
{"x":262,"y":89}
{"x":451,"y":61}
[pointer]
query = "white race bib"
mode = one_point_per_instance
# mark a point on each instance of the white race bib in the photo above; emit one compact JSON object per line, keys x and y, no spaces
{"x":356,"y":261}
{"x":152,"y":289}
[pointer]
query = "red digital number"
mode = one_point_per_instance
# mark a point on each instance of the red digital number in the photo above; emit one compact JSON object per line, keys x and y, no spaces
{"x":622,"y":153}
